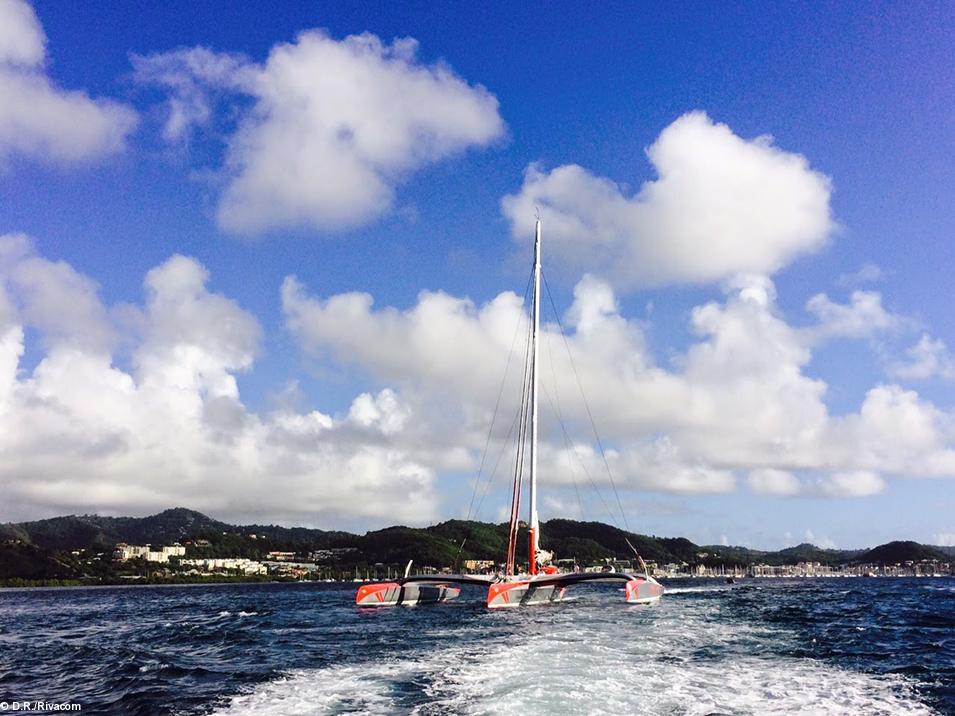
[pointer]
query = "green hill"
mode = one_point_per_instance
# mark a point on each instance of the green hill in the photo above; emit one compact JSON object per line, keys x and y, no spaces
{"x":27,"y":561}
{"x":721,"y":554}
{"x":444,"y":544}
{"x":902,"y":551}
{"x":95,"y":532}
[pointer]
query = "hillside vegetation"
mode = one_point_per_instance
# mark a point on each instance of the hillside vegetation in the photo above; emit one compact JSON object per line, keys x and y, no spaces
{"x":31,"y":547}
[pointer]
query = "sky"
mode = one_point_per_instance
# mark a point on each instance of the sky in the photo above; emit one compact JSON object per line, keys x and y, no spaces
{"x":268,"y":262}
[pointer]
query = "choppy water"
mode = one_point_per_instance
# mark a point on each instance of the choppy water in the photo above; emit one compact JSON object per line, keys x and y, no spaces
{"x":863,"y":646}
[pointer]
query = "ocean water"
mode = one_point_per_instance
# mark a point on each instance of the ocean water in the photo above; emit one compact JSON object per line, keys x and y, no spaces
{"x":816,"y":646}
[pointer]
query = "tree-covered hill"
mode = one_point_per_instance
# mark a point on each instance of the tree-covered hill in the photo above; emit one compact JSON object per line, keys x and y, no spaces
{"x":94,"y":531}
{"x":721,"y":554}
{"x":441,"y":545}
{"x":901,"y":551}
{"x":27,"y":561}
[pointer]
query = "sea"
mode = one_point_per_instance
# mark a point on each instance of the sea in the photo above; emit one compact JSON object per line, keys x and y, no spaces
{"x":757,"y":646}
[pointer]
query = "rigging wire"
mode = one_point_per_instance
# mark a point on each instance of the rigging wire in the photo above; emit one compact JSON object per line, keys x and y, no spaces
{"x":477,"y":481}
{"x":590,"y":416}
{"x":573,"y":448}
{"x":519,"y":457}
{"x":487,"y":483}
{"x":560,"y":417}
{"x":497,"y":403}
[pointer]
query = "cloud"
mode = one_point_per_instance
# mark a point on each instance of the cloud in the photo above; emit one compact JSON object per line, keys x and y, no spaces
{"x":823,"y":542}
{"x":929,"y":358}
{"x":80,"y":433}
{"x":867,"y":273}
{"x":54,"y":298}
{"x":36,"y":117}
{"x":855,"y":483}
{"x":736,"y":401}
{"x":195,"y":78}
{"x":333,"y":127}
{"x":862,"y":317}
{"x":134,"y":408}
{"x":767,"y":481}
{"x":944,"y":539}
{"x":782,"y":483}
{"x":439,"y":337}
{"x":721,"y":205}
{"x":22,"y":41}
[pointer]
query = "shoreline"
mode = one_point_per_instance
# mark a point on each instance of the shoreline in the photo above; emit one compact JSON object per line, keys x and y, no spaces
{"x":227,"y":582}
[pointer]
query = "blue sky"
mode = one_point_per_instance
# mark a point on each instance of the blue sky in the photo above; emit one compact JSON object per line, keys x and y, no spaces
{"x":769,"y":323}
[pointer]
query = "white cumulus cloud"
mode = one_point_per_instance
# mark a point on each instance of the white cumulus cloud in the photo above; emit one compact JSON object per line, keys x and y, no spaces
{"x":138,"y":407}
{"x":767,"y":481}
{"x":782,"y":483}
{"x":737,"y":400}
{"x":863,"y":317}
{"x":721,"y":205}
{"x":333,"y":127}
{"x":80,"y":433}
{"x":929,"y":358}
{"x":39,"y":119}
{"x":855,"y":483}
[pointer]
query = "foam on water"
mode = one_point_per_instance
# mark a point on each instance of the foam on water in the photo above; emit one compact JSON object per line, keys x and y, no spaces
{"x":677,"y":657}
{"x":153,"y":666}
{"x":698,"y":590}
{"x":526,"y":679}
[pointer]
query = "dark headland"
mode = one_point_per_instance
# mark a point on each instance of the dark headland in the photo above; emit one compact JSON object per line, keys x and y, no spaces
{"x":82,"y":549}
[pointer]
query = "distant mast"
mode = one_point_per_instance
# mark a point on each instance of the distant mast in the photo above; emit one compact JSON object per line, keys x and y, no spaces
{"x":534,"y":523}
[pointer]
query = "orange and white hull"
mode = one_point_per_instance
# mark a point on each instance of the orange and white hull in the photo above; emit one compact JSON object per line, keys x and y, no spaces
{"x":392,"y":594}
{"x":505,"y":595}
{"x":641,"y":590}
{"x":510,"y":592}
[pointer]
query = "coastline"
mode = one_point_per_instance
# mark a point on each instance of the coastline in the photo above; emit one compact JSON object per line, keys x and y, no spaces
{"x":46,"y":585}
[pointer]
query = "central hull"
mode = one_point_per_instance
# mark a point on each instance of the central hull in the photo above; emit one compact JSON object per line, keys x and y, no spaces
{"x":506,"y":595}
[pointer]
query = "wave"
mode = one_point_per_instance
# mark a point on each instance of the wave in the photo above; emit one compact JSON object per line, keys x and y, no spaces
{"x":661,"y":661}
{"x":566,"y":684}
{"x":697,"y":590}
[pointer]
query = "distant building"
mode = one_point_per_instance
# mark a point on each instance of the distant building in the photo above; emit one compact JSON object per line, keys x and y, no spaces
{"x":282,"y":556}
{"x":130,"y":551}
{"x":330,"y":555}
{"x":228,"y":564}
{"x":124,"y":552}
{"x":291,"y":569}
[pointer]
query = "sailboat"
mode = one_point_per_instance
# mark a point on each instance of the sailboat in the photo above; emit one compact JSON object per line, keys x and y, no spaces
{"x":543,"y":582}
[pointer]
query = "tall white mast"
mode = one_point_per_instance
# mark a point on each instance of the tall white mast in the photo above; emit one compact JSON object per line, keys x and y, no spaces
{"x":534,"y":523}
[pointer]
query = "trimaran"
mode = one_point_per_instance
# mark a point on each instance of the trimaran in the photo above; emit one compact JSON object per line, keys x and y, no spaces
{"x":544,"y":582}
